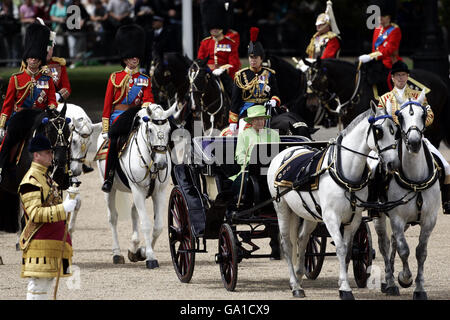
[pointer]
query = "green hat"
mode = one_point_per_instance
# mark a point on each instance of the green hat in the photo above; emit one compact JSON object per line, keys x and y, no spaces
{"x":255,"y":112}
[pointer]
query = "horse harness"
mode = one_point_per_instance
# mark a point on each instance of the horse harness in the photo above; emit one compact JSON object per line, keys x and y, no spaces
{"x":84,"y":137}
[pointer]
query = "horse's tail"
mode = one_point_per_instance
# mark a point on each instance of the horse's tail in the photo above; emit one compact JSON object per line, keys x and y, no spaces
{"x":9,"y":214}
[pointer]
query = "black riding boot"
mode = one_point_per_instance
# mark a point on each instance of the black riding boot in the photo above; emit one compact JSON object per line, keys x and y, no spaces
{"x":446,"y":198}
{"x":110,"y":166}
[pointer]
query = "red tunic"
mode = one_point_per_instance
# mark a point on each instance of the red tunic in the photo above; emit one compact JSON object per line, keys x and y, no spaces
{"x":220,"y":53}
{"x":389,"y":47}
{"x":331,"y":48}
{"x":58,"y":71}
{"x":22,"y":85}
{"x":117,"y":91}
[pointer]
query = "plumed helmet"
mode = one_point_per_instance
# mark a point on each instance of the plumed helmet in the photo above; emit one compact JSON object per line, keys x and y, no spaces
{"x":130,"y":41}
{"x":255,"y":47}
{"x":215,"y":14}
{"x":39,"y":143}
{"x":399,"y":66}
{"x":322,"y":18}
{"x":37,"y":38}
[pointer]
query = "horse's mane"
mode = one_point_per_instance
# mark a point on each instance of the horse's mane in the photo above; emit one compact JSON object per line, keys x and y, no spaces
{"x":289,"y":79}
{"x":361,"y":117}
{"x":177,"y":61}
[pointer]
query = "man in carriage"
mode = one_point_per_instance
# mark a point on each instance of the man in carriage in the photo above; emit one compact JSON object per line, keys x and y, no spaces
{"x":399,"y":76}
{"x":45,"y":215}
{"x":29,"y":88}
{"x":253,"y":85}
{"x":126,"y":89}
{"x":325,"y":43}
{"x":385,"y":50}
{"x":221,"y":49}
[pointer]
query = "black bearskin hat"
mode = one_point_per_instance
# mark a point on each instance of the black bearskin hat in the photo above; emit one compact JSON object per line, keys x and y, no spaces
{"x":130,"y":41}
{"x":215,"y":14}
{"x":37,"y":39}
{"x":255,"y":47}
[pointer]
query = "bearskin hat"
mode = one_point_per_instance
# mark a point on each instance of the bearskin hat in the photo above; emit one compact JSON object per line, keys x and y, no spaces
{"x":255,"y":47}
{"x":130,"y":41}
{"x":215,"y":14}
{"x":37,"y":39}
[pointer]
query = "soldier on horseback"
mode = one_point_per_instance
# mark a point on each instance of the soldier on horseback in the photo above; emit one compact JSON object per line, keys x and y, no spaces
{"x":126,"y":89}
{"x":399,"y":75}
{"x":29,"y":88}
{"x":220,"y":49}
{"x":253,"y":85}
{"x":325,"y":43}
{"x":385,"y":50}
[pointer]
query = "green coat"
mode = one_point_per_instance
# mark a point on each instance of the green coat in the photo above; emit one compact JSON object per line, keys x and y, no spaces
{"x":246,"y":140}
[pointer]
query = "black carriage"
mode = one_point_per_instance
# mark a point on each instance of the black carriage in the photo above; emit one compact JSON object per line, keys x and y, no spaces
{"x":198,"y":210}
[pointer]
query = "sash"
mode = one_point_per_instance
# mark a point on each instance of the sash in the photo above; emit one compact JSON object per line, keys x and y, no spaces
{"x":135,"y":89}
{"x":31,"y":99}
{"x":383,"y":36}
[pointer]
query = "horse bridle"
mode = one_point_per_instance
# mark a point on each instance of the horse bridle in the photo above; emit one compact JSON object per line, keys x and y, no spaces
{"x":411,"y":112}
{"x":84,"y":137}
{"x":378,"y":132}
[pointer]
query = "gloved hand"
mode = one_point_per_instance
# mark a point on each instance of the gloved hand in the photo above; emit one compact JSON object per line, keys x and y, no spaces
{"x":233,"y":127}
{"x":2,"y":133}
{"x":69,"y":204}
{"x":217,"y":72}
{"x":105,"y":135}
{"x":58,"y":97}
{"x":365,"y":58}
{"x":272,"y":103}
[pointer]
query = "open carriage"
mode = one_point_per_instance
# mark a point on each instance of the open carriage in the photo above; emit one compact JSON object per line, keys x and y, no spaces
{"x":198,"y":212}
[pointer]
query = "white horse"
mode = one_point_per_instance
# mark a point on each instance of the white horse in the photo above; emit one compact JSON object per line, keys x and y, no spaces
{"x":343,"y":182}
{"x":415,"y":185}
{"x":146,"y":163}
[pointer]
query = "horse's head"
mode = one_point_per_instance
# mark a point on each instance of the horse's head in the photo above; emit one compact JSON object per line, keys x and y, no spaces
{"x":55,"y":126}
{"x":82,"y":129}
{"x":382,"y":137}
{"x":411,"y":117}
{"x":155,"y":119}
{"x":161,"y":75}
{"x":199,"y":75}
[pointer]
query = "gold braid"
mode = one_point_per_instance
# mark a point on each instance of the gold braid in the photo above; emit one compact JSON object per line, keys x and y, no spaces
{"x":123,"y":86}
{"x":250,"y":86}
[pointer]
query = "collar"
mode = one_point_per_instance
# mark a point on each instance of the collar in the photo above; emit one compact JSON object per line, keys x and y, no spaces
{"x":401,"y":91}
{"x":39,"y":167}
{"x":131,"y":71}
{"x":30,"y":73}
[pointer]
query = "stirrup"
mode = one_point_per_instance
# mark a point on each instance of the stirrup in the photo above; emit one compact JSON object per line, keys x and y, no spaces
{"x":107,"y":186}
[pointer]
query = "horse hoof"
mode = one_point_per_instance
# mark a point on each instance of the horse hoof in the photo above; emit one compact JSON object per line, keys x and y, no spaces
{"x":299,"y":293}
{"x":392,"y":291}
{"x":118,"y":259}
{"x":420,"y":295}
{"x":346,"y":295}
{"x":135,"y":257}
{"x":152,"y":264}
{"x":404,"y":284}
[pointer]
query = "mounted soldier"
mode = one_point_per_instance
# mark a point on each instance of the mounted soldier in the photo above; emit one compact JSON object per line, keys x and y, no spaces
{"x":126,"y":89}
{"x":253,"y":85}
{"x":399,"y":75}
{"x":385,"y":50}
{"x":221,"y":50}
{"x":325,"y":43}
{"x":29,"y":88}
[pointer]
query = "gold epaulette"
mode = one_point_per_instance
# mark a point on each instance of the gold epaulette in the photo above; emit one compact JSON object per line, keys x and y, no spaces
{"x":271,"y":70}
{"x":61,"y":61}
{"x":229,"y":38}
{"x":395,"y":25}
{"x":240,"y":71}
{"x":17,"y":73}
{"x":206,"y":38}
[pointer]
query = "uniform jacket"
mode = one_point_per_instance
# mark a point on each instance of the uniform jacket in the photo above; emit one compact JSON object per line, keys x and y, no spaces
{"x":58,"y":71}
{"x":407,"y":94}
{"x":125,"y":89}
{"x":324,"y":46}
{"x":27,"y":91}
{"x":220,"y":53}
{"x":41,"y":239}
{"x":252,"y":88}
{"x":387,"y":42}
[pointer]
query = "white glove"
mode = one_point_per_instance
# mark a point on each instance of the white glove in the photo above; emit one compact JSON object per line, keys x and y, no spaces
{"x":58,"y":97}
{"x":233,"y":127}
{"x":69,"y":204}
{"x":105,"y":135}
{"x":2,"y":133}
{"x":272,"y":103}
{"x":217,"y":72}
{"x":365,"y":58}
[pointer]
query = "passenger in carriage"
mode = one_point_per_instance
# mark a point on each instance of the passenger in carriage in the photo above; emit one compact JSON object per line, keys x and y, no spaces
{"x":257,"y":133}
{"x":127,"y":88}
{"x":399,"y":75}
{"x":254,"y":85}
{"x":325,"y":43}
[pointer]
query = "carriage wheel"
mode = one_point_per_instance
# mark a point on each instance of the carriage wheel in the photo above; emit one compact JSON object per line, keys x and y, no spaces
{"x":228,"y":257}
{"x":314,"y":256}
{"x":181,"y":238}
{"x":362,"y":254}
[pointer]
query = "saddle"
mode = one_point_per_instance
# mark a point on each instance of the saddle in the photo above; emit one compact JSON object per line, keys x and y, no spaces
{"x":299,"y":171}
{"x":122,"y":143}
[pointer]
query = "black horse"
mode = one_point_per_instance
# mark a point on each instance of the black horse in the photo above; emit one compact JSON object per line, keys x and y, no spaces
{"x":21,"y":129}
{"x":210,"y":103}
{"x":332,"y":78}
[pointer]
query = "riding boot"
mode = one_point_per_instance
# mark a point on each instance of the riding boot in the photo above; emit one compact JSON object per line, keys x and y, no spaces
{"x":86,"y":168}
{"x":446,"y":198}
{"x":372,"y":197}
{"x":110,"y":166}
